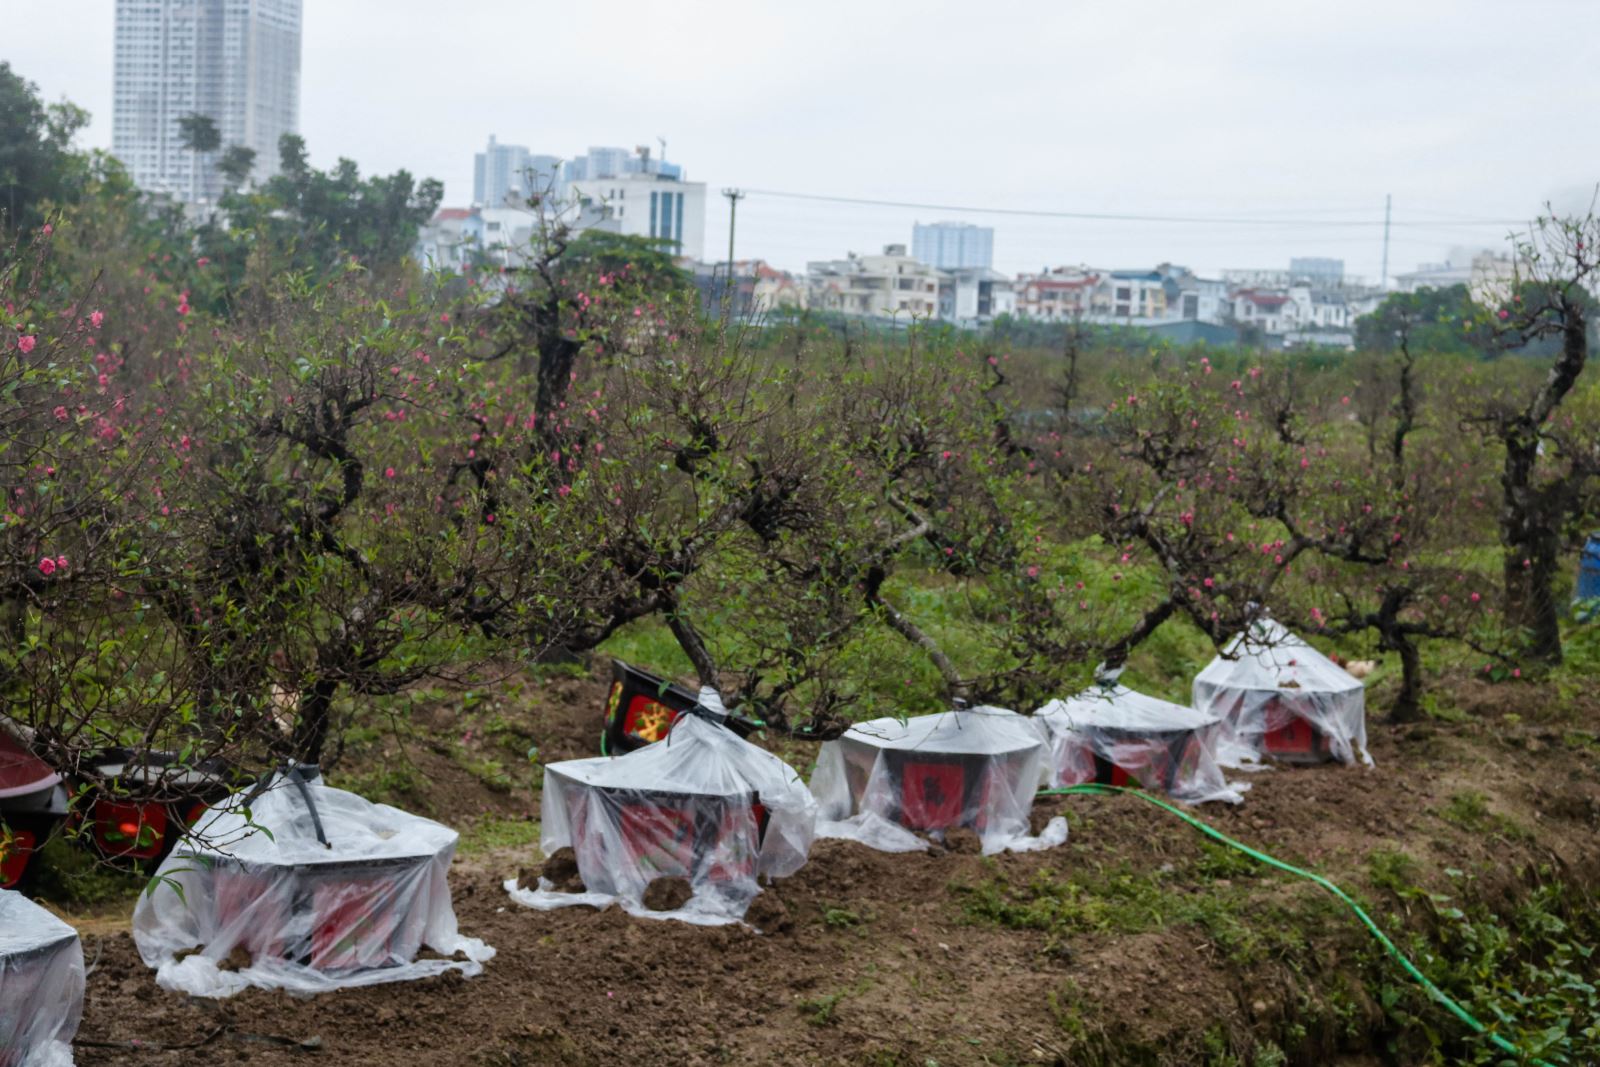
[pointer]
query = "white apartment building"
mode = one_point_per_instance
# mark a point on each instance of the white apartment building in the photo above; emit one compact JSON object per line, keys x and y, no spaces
{"x":648,"y":205}
{"x":893,"y":285}
{"x":235,"y":61}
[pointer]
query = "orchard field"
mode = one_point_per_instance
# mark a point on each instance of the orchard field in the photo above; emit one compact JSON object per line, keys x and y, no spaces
{"x":272,"y":493}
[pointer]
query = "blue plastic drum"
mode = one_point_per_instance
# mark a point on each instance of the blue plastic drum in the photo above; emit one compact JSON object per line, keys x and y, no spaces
{"x":1587,"y":597}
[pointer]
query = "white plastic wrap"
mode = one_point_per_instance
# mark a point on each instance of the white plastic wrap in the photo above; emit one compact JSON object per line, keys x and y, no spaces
{"x":702,"y":804}
{"x":41,"y":985}
{"x":1116,"y":736}
{"x":887,"y":780}
{"x":308,"y":917}
{"x":1279,"y":698}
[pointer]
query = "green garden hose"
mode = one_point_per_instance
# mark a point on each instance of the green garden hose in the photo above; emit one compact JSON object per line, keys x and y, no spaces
{"x":1383,"y":939}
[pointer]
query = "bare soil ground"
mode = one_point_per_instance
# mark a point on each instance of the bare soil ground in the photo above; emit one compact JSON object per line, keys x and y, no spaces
{"x":889,"y":959}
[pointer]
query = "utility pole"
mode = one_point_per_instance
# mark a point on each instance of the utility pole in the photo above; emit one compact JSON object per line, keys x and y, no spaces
{"x":734,"y":196}
{"x":1387,"y":200}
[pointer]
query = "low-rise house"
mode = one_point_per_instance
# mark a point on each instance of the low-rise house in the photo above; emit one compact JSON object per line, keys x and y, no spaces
{"x":444,"y":243}
{"x":1272,"y":311}
{"x":1061,"y":293}
{"x":970,"y":296}
{"x":1137,"y":294}
{"x":1328,"y":310}
{"x":1192,"y":298}
{"x":891,"y":285}
{"x":758,"y":288}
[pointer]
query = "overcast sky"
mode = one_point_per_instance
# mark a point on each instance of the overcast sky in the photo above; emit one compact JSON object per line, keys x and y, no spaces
{"x":1463,"y":110}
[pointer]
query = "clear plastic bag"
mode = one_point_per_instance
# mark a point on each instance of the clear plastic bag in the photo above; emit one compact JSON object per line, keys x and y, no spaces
{"x":310,"y":916}
{"x":886,"y":781}
{"x":702,"y":805}
{"x":41,"y":985}
{"x":1279,"y":698}
{"x":1115,"y":736}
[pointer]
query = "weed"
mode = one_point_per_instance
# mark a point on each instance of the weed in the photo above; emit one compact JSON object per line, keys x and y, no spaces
{"x":1068,"y":1009}
{"x":1470,"y":811}
{"x":822,"y":1011}
{"x":1391,"y":869}
{"x":840,"y":918}
{"x":1529,"y":973}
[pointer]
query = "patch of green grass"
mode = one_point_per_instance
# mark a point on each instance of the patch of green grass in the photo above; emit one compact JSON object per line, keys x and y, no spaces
{"x":1435,"y":708}
{"x":1124,"y":901}
{"x":491,"y":772}
{"x":1468,"y":810}
{"x":650,"y":645}
{"x":1217,"y":861}
{"x":396,"y":785}
{"x":1578,"y":741}
{"x":1391,"y":869}
{"x":493,"y":833}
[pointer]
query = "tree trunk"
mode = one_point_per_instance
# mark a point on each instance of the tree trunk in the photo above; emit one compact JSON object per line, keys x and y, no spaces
{"x":313,"y":721}
{"x":689,"y":639}
{"x":1531,"y":515}
{"x":1531,"y":603}
{"x":1408,"y":704}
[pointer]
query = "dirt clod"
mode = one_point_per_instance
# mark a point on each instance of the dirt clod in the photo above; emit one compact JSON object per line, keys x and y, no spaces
{"x":667,"y":894}
{"x":562,"y":871}
{"x":237,"y":960}
{"x":962,"y":841}
{"x":768,"y":914}
{"x":1040,"y":817}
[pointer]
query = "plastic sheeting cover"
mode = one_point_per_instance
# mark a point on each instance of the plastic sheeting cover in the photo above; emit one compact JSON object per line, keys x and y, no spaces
{"x":311,"y":917}
{"x":1163,"y":747}
{"x":701,"y":804}
{"x":1280,"y":698}
{"x":41,"y":985}
{"x":887,"y":780}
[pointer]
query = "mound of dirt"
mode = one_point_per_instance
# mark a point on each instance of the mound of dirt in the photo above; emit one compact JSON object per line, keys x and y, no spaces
{"x":963,"y":842}
{"x":561,"y":870}
{"x":667,"y":894}
{"x":768,"y":914}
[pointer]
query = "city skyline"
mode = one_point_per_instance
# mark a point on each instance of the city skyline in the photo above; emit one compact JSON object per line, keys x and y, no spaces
{"x":1245,"y":110}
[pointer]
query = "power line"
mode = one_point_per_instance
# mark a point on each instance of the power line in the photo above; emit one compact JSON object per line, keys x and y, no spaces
{"x":1219,"y":220}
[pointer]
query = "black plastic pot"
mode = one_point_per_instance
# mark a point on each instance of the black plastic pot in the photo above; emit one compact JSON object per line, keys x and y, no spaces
{"x":641,"y":708}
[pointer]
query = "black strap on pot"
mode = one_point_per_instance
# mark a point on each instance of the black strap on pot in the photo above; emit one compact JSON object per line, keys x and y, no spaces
{"x":295,"y":773}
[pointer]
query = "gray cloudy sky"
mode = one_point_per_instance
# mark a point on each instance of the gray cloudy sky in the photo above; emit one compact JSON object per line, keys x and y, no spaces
{"x":1463,"y":110}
